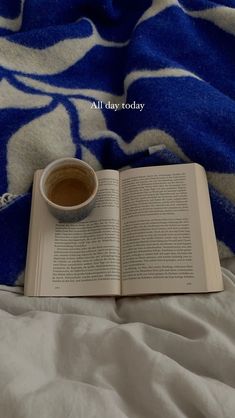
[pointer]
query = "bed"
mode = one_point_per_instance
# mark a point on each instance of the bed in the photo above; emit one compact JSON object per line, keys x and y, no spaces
{"x":159,"y":356}
{"x":71,"y":76}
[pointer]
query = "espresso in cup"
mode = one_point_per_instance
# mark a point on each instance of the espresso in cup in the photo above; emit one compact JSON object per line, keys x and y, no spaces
{"x":66,"y":188}
{"x":69,"y":187}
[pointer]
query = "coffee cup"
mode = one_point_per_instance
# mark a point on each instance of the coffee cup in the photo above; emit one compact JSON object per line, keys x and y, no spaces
{"x":69,"y":187}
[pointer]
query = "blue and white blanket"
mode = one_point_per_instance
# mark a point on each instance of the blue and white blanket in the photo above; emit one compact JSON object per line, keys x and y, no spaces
{"x":106,"y":80}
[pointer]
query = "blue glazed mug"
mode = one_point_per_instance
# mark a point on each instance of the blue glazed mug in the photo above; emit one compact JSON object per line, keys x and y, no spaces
{"x":69,"y":187}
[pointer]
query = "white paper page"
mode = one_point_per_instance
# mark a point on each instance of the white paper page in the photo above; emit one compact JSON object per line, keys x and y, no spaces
{"x":82,"y":258}
{"x":161,"y":243}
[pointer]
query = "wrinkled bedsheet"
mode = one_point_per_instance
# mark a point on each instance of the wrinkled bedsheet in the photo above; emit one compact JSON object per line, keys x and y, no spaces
{"x":141,"y":357}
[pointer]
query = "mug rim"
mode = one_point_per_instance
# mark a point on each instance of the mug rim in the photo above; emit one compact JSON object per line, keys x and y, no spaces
{"x":57,"y":163}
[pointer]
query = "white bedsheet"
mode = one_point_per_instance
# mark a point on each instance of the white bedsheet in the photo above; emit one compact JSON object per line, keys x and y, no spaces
{"x":140,"y":357}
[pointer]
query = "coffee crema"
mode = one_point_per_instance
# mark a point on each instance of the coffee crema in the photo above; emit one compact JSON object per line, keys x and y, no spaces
{"x":69,"y":192}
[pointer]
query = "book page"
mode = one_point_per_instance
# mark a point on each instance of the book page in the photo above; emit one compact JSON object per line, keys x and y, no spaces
{"x":161,"y":240}
{"x":82,"y":258}
{"x":210,"y":249}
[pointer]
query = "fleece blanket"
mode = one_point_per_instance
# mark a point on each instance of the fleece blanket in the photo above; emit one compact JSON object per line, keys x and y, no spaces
{"x":152,"y":357}
{"x":106,"y":80}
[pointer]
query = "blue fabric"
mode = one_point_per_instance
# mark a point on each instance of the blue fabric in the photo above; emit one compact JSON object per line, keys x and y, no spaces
{"x":58,"y":58}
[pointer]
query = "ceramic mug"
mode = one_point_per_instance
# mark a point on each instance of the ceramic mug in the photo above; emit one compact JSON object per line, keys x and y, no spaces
{"x":69,"y":188}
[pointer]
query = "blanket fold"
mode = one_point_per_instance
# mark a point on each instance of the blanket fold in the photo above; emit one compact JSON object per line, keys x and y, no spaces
{"x":72,"y":75}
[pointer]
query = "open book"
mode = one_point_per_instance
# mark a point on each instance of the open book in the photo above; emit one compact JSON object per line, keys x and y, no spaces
{"x":151,"y":231}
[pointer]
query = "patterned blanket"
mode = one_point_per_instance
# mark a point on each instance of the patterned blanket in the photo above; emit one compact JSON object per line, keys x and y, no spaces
{"x":115,"y":83}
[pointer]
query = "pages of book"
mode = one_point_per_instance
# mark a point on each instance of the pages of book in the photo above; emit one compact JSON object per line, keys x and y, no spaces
{"x":75,"y":259}
{"x":151,"y":231}
{"x":168,"y":242}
